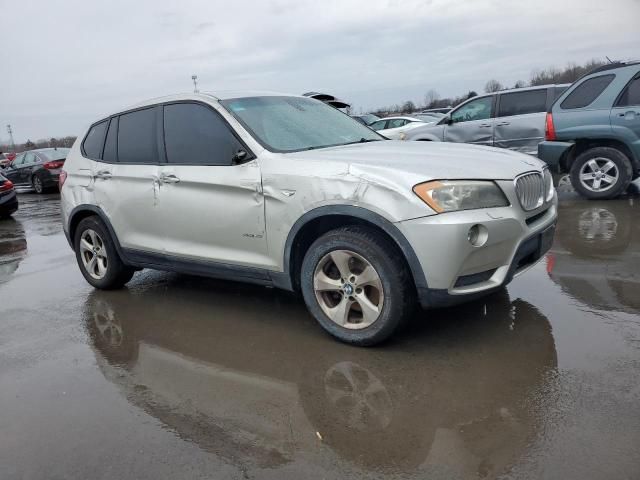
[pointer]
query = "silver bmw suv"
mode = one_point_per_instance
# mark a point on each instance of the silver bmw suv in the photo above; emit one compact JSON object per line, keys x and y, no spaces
{"x":287,"y":191}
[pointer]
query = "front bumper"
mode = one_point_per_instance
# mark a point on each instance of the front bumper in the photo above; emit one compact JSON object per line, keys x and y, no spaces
{"x":8,"y":203}
{"x":457,"y":271}
{"x":551,"y":152}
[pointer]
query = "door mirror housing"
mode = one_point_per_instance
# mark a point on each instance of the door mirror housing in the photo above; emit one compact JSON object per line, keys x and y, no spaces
{"x":447,"y":120}
{"x":240,"y":156}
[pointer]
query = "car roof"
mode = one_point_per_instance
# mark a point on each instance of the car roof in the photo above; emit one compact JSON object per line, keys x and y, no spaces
{"x":401,"y":117}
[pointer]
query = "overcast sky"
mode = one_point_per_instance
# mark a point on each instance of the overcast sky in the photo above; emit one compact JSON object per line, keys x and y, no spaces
{"x":65,"y":63}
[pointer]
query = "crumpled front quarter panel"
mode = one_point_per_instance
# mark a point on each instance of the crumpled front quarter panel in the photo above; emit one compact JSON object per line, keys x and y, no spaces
{"x":295,"y":186}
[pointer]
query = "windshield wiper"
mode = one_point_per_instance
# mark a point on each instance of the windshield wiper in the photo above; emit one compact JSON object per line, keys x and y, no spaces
{"x":363,"y":140}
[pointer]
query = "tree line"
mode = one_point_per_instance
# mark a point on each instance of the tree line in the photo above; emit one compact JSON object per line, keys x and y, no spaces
{"x":569,"y":74}
{"x":53,"y":142}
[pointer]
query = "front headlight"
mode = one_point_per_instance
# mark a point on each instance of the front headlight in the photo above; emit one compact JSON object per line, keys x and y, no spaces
{"x":451,"y":195}
{"x":549,"y":189}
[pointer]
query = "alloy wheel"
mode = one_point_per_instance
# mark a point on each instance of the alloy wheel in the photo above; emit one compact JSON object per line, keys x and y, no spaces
{"x":37,"y":184}
{"x":599,"y":174}
{"x":93,"y":254}
{"x":348,"y":289}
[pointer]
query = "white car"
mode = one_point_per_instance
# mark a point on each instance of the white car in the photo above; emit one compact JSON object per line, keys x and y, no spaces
{"x":394,"y":127}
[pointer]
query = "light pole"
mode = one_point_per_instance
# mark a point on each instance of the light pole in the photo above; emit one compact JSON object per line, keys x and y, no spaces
{"x":195,"y":83}
{"x":10,"y":132}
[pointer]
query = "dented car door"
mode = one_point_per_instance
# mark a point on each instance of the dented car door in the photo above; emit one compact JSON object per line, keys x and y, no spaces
{"x":210,"y":190}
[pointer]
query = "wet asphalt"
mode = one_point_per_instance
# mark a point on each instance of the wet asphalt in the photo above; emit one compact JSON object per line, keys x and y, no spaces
{"x":186,"y":377}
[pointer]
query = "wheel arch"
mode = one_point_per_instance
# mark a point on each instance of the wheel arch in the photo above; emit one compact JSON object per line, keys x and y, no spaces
{"x":323,"y":219}
{"x":81,"y":212}
{"x":584,"y":144}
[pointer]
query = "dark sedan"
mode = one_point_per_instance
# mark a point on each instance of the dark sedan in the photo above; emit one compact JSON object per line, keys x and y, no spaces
{"x":39,"y":169}
{"x":8,"y":198}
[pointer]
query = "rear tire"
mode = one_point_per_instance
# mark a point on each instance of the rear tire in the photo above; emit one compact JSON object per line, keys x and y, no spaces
{"x":366,"y":294}
{"x":601,"y":173}
{"x":38,"y":184}
{"x":97,"y":256}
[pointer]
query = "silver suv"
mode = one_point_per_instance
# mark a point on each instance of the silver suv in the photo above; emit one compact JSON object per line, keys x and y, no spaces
{"x":512,"y":119}
{"x":287,"y":191}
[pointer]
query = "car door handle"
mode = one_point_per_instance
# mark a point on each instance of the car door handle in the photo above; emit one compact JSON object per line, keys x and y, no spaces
{"x":484,"y":125}
{"x":103,"y":174}
{"x":502,"y":124}
{"x":169,"y":179}
{"x":629,"y":113}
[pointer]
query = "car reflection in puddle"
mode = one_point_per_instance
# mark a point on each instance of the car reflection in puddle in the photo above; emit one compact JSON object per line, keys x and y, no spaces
{"x":13,"y":247}
{"x":246,"y":374}
{"x":595,"y":257}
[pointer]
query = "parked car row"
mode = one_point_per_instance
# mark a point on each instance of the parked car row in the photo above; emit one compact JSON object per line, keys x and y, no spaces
{"x":39,"y":169}
{"x":8,"y":198}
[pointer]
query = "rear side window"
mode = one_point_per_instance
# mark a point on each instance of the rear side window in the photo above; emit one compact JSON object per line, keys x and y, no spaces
{"x":585,"y":93}
{"x":521,"y":103}
{"x":137,"y":139}
{"x":196,"y":135}
{"x":631,"y":94}
{"x":111,"y":145}
{"x":94,"y":141}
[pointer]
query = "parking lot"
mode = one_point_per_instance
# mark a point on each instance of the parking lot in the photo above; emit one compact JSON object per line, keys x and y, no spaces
{"x":186,"y":377}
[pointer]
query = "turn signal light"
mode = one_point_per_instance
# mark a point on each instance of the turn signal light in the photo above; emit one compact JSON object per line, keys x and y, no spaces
{"x":61,"y":179}
{"x":7,"y":185}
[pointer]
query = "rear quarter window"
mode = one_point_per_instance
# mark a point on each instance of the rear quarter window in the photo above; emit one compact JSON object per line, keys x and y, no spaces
{"x":586,"y":93}
{"x":94,"y":141}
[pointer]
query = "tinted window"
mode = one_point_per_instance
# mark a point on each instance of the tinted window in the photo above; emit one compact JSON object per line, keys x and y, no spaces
{"x":631,"y":94}
{"x":94,"y":141}
{"x":585,"y":93}
{"x":111,"y":145}
{"x":196,"y":135}
{"x":137,"y":137}
{"x":521,"y":103}
{"x":479,"y":109}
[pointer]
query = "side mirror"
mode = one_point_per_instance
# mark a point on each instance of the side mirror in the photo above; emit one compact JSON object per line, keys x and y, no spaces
{"x":239,"y":156}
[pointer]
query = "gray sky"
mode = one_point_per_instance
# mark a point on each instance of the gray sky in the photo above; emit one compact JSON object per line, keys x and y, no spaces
{"x":65,"y":63}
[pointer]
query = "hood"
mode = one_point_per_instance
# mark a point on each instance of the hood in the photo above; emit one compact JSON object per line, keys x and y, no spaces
{"x":423,"y":161}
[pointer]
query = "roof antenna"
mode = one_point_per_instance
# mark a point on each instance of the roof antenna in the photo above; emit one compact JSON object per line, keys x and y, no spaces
{"x":610,"y":61}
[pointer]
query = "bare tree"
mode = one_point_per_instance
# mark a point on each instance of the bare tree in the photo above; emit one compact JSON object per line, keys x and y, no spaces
{"x":520,"y":84}
{"x":408,"y":107}
{"x":493,"y":85}
{"x":431,"y":98}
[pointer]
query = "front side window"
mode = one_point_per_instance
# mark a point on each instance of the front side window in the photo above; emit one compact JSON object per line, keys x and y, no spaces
{"x":291,"y":124}
{"x":137,"y":137}
{"x":196,"y":135}
{"x":587,"y":92}
{"x":479,"y":109}
{"x":94,"y":141}
{"x":522,"y":103}
{"x":29,"y":159}
{"x":631,"y":94}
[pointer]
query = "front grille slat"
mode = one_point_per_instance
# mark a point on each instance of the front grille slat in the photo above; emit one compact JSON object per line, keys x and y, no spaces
{"x":530,"y":190}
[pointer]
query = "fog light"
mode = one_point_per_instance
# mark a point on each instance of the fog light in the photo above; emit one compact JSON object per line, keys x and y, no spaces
{"x":478,"y":235}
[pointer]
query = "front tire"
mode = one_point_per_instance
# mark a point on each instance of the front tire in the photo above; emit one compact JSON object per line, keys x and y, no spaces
{"x":601,"y":173}
{"x":357,"y":286}
{"x":97,"y":256}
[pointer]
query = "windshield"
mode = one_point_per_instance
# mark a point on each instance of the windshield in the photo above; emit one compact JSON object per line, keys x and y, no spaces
{"x":292,"y":124}
{"x":57,"y":154}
